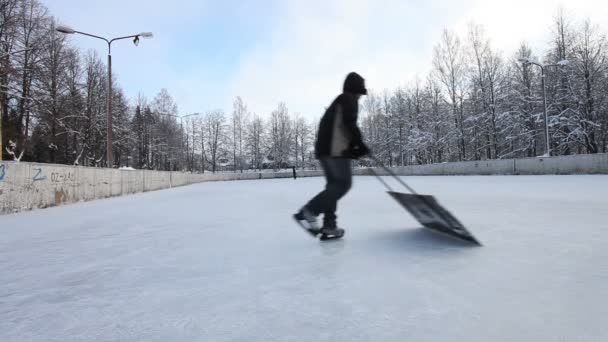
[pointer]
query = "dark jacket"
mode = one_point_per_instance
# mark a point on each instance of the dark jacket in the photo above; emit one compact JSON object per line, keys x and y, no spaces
{"x":339,"y":136}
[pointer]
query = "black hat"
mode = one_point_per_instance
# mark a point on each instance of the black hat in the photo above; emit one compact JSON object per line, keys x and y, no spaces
{"x":355,"y":84}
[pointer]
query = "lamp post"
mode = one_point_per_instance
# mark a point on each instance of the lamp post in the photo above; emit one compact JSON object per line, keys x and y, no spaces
{"x":1,"y":107}
{"x":69,"y":30}
{"x":527,"y":61}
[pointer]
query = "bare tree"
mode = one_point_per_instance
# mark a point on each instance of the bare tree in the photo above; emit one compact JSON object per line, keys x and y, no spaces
{"x":280,"y":136}
{"x":302,"y":137}
{"x":94,"y":95}
{"x":52,"y":88}
{"x":254,"y":141}
{"x":169,"y":151}
{"x":8,"y":38}
{"x":450,"y":69}
{"x":73,"y":103}
{"x":32,"y":21}
{"x":486,"y":79}
{"x":590,"y":67}
{"x":239,"y":115}
{"x":215,"y":122}
{"x":562,"y":101}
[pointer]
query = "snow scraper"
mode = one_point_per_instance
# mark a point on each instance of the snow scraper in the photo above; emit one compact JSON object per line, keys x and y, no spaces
{"x":427,"y":210}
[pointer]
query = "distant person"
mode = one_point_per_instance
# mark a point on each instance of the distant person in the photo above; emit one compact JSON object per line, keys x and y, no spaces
{"x":339,"y":141}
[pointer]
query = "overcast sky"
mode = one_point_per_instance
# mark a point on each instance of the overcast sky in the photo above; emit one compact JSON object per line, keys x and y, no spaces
{"x":297,"y":51}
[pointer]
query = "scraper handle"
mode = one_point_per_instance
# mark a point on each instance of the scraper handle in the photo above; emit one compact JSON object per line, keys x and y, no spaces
{"x":392,"y":174}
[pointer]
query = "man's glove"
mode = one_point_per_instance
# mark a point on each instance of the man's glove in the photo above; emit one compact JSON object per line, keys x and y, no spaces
{"x":360,"y":150}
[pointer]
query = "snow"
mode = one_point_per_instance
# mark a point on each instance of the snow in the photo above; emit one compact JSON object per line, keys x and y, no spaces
{"x":224,"y":262}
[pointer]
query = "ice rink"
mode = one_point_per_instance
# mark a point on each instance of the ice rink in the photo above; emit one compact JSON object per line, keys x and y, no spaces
{"x":225,"y":262}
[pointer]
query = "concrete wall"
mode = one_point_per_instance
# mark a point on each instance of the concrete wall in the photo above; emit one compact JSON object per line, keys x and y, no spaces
{"x":25,"y":186}
{"x":490,"y":167}
{"x":564,"y":165}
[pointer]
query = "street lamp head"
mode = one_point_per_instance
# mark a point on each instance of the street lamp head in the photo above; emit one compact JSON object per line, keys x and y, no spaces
{"x":65,"y":29}
{"x":145,"y":35}
{"x":564,"y":62}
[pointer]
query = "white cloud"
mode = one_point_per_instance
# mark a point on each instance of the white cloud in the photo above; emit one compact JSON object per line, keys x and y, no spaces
{"x":389,"y":42}
{"x":316,"y":44}
{"x":509,"y":23}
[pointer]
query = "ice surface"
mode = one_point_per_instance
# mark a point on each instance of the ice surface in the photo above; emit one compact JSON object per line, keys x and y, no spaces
{"x":224,"y":262}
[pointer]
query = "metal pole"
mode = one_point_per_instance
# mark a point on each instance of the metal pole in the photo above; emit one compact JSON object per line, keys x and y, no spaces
{"x":1,"y":119}
{"x":69,"y":30}
{"x":181,"y":134}
{"x":109,"y":148}
{"x":547,"y":141}
{"x":193,"y":163}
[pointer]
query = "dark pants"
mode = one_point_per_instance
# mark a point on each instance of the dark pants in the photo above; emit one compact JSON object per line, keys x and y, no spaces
{"x":339,"y":180}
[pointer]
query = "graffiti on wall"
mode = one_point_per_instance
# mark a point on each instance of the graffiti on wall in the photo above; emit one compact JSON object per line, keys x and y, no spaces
{"x":2,"y":171}
{"x":39,"y":176}
{"x":63,"y":177}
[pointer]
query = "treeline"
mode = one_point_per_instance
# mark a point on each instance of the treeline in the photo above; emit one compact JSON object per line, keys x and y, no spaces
{"x":476,"y":104}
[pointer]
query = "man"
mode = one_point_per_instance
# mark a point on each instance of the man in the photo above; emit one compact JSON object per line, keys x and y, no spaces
{"x":338,"y":142}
